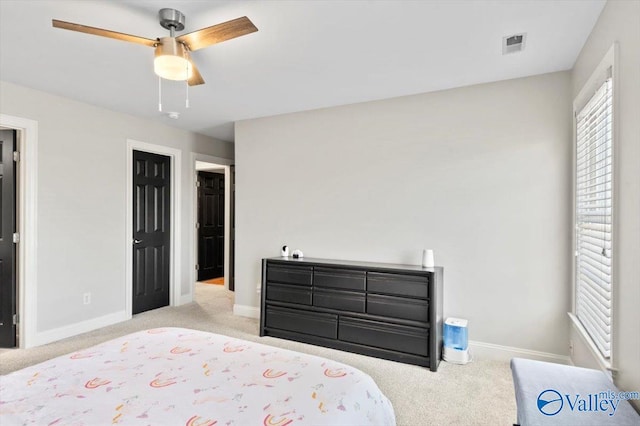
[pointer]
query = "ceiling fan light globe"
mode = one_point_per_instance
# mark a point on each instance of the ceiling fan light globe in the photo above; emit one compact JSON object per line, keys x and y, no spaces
{"x":172,"y":67}
{"x":171,"y":60}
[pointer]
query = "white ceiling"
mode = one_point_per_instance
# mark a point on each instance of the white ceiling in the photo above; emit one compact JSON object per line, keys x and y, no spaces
{"x":307,"y":54}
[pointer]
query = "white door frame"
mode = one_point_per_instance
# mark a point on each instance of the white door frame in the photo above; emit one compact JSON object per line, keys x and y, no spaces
{"x":27,"y":224}
{"x":175,"y":156}
{"x":224,"y":163}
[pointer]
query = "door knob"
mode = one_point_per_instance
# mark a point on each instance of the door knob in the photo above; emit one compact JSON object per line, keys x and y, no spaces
{"x":136,"y":241}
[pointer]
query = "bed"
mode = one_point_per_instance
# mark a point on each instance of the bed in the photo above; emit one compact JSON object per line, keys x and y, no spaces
{"x":176,"y":376}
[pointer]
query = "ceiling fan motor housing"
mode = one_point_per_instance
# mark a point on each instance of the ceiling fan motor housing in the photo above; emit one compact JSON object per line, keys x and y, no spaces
{"x":171,"y":19}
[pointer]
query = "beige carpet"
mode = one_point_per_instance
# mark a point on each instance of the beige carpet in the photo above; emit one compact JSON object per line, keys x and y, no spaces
{"x":480,"y":393}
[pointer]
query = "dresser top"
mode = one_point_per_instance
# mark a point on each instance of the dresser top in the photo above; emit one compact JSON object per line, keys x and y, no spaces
{"x":310,"y":261}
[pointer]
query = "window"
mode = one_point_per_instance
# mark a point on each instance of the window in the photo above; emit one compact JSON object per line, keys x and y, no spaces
{"x":593,"y":215}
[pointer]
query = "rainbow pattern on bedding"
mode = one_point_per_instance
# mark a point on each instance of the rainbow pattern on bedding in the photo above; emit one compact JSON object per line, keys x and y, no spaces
{"x":176,"y":376}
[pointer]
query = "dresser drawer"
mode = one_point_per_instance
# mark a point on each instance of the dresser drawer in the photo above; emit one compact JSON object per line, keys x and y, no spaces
{"x":412,"y":340}
{"x":399,"y":338}
{"x":314,"y":323}
{"x":398,"y":284}
{"x":339,"y":278}
{"x":398,"y":307}
{"x":289,"y":293}
{"x":301,"y":275}
{"x":337,"y":299}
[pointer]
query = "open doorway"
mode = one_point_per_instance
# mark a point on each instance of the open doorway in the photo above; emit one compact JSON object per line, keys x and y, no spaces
{"x":210,"y":225}
{"x":213,"y":227}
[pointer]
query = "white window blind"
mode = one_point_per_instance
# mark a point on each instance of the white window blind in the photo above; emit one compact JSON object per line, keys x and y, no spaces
{"x":594,"y":152}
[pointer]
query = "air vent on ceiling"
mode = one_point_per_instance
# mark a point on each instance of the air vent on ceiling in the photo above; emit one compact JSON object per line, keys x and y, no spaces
{"x":513,"y":43}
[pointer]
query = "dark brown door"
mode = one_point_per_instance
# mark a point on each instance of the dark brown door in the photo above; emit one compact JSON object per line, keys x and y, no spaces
{"x":210,"y":225}
{"x":7,"y":246}
{"x":151,"y":230}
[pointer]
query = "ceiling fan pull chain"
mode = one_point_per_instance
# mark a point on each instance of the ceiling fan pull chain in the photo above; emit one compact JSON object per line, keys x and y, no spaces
{"x":187,"y":101}
{"x":160,"y":94}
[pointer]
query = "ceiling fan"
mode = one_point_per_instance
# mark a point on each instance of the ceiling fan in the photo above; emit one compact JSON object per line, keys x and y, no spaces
{"x":172,"y":59}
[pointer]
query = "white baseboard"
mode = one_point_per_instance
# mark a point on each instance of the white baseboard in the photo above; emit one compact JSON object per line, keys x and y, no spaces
{"x":246,"y":311}
{"x":481,"y":350}
{"x":44,"y":337}
{"x":184,"y":299}
{"x":478,"y":350}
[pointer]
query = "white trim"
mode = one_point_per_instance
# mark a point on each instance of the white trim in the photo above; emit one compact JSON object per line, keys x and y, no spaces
{"x":246,"y":311}
{"x":185,"y":298}
{"x":596,"y":79}
{"x":224,"y":163}
{"x":27,"y":219}
{"x":176,"y":222}
{"x":588,"y":89}
{"x":79,"y":328}
{"x":481,"y":350}
{"x":584,"y":335}
{"x":211,"y":159}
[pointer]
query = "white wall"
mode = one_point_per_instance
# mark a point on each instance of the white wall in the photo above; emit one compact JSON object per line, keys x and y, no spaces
{"x":479,"y":174}
{"x":620,"y":21}
{"x":81,"y":201}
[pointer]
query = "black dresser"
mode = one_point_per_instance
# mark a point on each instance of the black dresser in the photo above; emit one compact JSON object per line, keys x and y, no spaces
{"x":377,"y":309}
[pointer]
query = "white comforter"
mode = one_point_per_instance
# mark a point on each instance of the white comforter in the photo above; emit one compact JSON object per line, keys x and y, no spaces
{"x":174,"y":376}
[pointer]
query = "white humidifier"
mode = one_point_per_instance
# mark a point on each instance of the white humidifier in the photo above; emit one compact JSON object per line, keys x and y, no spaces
{"x":456,"y":341}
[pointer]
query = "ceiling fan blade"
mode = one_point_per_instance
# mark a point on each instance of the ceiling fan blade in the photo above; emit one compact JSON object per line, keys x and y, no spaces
{"x":196,"y":78}
{"x":104,"y":33}
{"x":217,"y":33}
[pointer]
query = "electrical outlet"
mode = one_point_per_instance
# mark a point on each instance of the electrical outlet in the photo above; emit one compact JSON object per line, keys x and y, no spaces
{"x":86,"y":298}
